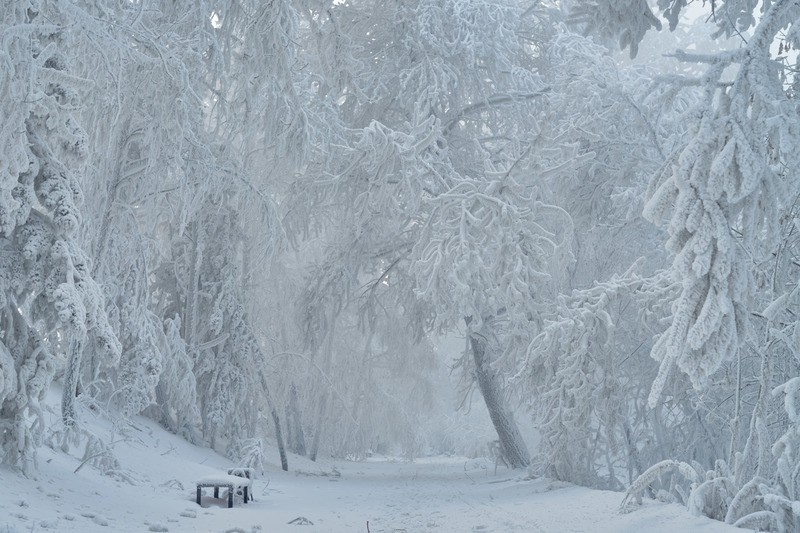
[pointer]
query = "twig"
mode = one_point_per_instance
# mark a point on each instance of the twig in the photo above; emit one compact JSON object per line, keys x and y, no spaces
{"x":171,"y":449}
{"x":465,"y":472}
{"x":105,"y":451}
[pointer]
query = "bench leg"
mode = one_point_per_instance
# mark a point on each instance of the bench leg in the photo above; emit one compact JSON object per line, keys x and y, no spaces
{"x":216,"y":492}
{"x":245,"y":495}
{"x":199,"y":493}
{"x":230,"y":498}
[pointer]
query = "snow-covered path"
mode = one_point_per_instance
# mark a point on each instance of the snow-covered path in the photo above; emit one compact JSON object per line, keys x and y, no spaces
{"x":434,"y":495}
{"x":451,"y":495}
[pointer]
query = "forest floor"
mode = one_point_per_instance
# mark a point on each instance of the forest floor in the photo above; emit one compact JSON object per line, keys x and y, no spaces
{"x":153,"y":490}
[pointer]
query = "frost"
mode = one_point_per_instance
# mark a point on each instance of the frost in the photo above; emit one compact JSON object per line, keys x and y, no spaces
{"x":258,"y":225}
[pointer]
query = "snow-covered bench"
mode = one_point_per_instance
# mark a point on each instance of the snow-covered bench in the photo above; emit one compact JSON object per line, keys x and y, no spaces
{"x":223,"y":481}
{"x":249,"y":473}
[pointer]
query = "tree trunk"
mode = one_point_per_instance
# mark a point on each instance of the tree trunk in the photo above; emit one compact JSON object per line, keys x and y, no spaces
{"x":323,"y":400}
{"x":71,"y":377}
{"x":297,"y":438}
{"x":634,"y":460}
{"x":755,"y":460}
{"x":192,"y":302}
{"x":279,"y":438}
{"x":512,"y":445}
{"x":318,"y":427}
{"x":277,"y":421}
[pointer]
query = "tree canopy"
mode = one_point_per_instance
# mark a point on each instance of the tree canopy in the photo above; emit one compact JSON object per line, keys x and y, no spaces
{"x":256,"y":221}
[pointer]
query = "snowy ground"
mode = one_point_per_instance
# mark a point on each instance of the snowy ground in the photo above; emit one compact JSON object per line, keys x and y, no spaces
{"x":435,"y":495}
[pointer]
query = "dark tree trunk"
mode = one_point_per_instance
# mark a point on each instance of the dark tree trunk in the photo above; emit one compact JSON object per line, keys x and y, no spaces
{"x":279,"y":437}
{"x":277,"y":421}
{"x":512,"y":445}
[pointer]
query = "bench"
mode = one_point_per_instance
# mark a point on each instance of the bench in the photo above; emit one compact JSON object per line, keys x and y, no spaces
{"x":223,"y":481}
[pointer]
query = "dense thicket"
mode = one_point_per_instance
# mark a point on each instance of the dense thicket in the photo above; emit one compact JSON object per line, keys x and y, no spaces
{"x":254,"y":220}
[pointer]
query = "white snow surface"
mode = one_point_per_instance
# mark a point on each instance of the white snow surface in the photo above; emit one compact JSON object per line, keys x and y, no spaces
{"x":429,"y":495}
{"x":224,"y":479}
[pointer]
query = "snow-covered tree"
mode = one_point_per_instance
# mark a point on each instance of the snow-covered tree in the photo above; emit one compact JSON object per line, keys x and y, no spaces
{"x":430,"y":137}
{"x":50,"y":300}
{"x":193,"y":120}
{"x":725,"y":196}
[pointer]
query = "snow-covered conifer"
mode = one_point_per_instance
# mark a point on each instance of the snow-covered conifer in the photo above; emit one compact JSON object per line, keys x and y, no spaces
{"x":51,"y":293}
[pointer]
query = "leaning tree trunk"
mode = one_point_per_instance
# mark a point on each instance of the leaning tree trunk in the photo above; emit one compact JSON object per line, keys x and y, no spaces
{"x":278,"y":437}
{"x":512,"y":445}
{"x":277,"y":421}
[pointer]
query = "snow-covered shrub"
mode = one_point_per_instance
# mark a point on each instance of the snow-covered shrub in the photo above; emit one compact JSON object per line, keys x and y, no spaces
{"x":649,"y":476}
{"x":176,"y":404}
{"x":712,"y":493}
{"x":249,"y":453}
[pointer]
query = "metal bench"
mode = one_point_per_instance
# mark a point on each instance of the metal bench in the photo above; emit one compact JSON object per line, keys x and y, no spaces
{"x":224,"y":481}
